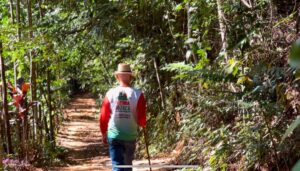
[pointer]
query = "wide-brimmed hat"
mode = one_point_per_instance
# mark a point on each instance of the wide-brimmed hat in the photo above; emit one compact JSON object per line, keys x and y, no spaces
{"x":124,"y":69}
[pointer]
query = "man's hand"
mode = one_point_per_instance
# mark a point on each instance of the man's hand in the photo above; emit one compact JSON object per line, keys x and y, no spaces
{"x":104,"y":139}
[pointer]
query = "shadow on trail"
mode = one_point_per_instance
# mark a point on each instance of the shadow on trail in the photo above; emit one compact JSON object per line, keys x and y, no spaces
{"x":89,"y":118}
{"x":85,"y":154}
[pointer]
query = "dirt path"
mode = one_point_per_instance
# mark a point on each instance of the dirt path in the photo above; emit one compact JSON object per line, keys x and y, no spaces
{"x":80,"y":135}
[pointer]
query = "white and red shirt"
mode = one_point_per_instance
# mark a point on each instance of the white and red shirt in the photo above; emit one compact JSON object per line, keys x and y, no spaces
{"x":122,"y":111}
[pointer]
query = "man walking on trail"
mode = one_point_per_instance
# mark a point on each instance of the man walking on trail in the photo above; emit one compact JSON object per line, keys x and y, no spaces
{"x":123,"y":110}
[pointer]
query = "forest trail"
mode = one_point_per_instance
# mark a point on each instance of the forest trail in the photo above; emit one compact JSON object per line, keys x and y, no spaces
{"x":80,"y":135}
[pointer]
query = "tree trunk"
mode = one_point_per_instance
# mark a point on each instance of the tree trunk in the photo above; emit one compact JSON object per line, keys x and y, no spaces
{"x":11,"y":10}
{"x":18,"y":13}
{"x":46,"y":127}
{"x":5,"y":104}
{"x":41,"y":10}
{"x":1,"y":154}
{"x":52,"y":140}
{"x":43,"y":116}
{"x":25,"y":136}
{"x":222,"y":25}
{"x":1,"y":139}
{"x":19,"y":128}
{"x":189,"y":25}
{"x":2,"y":135}
{"x":32,"y":72}
{"x":12,"y":17}
{"x":159,"y":84}
{"x":189,"y":28}
{"x":39,"y":124}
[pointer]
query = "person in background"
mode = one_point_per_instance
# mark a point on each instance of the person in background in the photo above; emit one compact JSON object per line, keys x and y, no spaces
{"x":123,"y":111}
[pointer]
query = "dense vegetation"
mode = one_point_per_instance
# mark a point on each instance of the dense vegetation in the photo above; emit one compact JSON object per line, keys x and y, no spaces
{"x":215,"y":74}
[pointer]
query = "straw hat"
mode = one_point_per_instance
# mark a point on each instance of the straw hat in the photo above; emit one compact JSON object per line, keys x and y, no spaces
{"x":123,"y":69}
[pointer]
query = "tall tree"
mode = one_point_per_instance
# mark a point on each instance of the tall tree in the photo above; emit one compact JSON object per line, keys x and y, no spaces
{"x":41,"y":118}
{"x":5,"y":104}
{"x":32,"y":69}
{"x":19,"y":128}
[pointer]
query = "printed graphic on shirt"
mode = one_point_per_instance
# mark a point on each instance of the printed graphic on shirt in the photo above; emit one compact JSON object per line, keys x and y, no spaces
{"x":123,"y":106}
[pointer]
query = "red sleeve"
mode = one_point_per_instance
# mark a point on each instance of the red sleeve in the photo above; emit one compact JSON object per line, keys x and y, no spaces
{"x":141,"y":111}
{"x":104,"y":115}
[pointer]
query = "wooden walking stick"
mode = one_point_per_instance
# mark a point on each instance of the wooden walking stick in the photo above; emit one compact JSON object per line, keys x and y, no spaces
{"x":147,"y":147}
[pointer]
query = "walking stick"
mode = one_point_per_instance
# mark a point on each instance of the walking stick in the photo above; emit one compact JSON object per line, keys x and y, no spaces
{"x":147,"y":147}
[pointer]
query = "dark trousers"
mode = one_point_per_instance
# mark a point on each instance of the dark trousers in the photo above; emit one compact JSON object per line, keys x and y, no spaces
{"x":121,"y":153}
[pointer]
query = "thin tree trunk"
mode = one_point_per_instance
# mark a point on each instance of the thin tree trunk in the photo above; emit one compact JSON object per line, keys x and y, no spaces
{"x":1,"y":156}
{"x":221,"y":18}
{"x":52,"y":140}
{"x":189,"y":28}
{"x":43,"y":116}
{"x":19,"y":133}
{"x":40,"y":114}
{"x":2,"y":119}
{"x":41,"y":10}
{"x":18,"y":13}
{"x":159,"y":83}
{"x":5,"y":104}
{"x":46,"y":127}
{"x":39,"y":124}
{"x":25,"y":136}
{"x":19,"y":36}
{"x":32,"y":71}
{"x":2,"y":136}
{"x":11,"y":10}
{"x":12,"y":17}
{"x":20,"y":123}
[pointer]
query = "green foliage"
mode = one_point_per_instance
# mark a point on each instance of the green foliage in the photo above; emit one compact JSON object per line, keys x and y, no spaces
{"x":291,"y":128}
{"x":232,"y":67}
{"x":294,"y":58}
{"x":227,"y":111}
